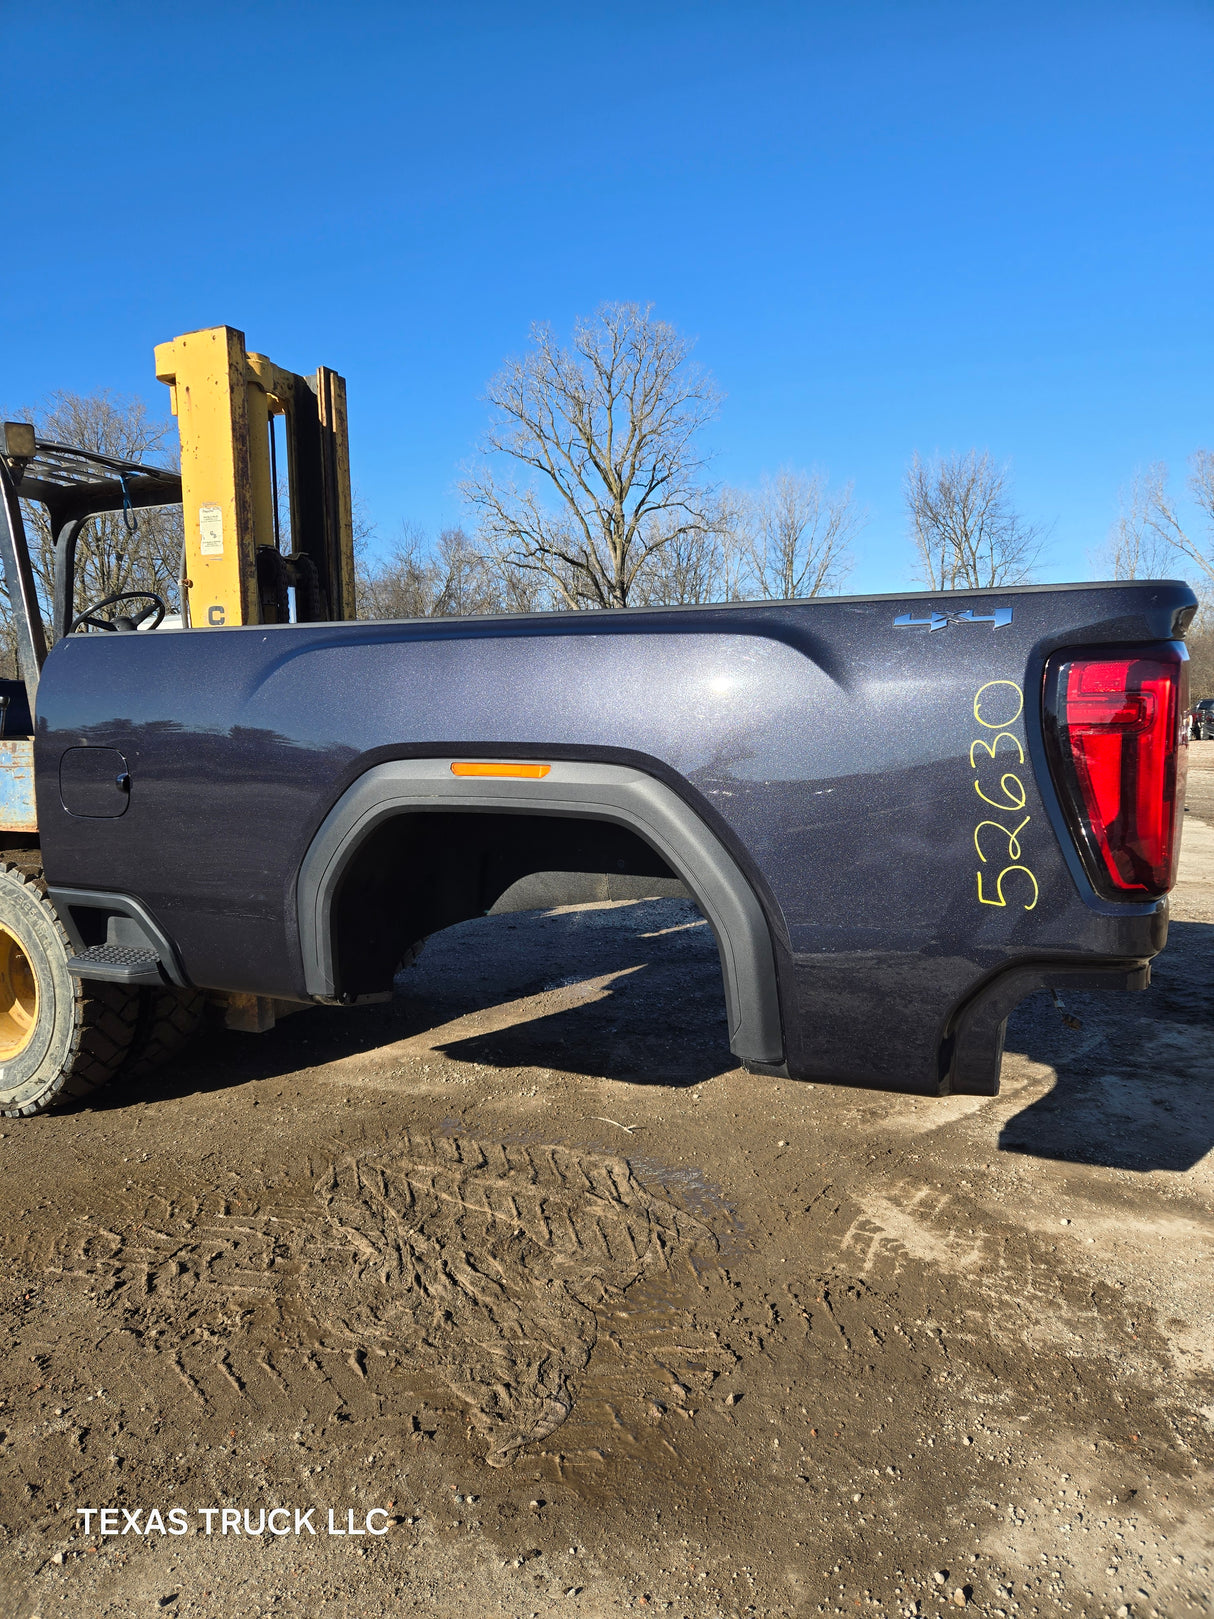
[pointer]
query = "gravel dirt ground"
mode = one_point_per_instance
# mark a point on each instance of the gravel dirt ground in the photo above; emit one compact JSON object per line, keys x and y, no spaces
{"x":600,"y":1322}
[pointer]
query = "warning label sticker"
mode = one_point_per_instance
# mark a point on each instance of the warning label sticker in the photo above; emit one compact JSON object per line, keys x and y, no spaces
{"x":210,"y":531}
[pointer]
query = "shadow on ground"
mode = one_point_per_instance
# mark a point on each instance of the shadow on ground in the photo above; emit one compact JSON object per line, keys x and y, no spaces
{"x":648,"y":1005}
{"x":630,"y":991}
{"x":1135,"y":1085}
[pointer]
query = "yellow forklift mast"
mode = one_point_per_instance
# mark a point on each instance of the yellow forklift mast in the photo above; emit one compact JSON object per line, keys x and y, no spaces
{"x":235,"y":570}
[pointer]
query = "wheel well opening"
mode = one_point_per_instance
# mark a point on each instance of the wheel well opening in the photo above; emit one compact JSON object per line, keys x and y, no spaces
{"x":421,"y":871}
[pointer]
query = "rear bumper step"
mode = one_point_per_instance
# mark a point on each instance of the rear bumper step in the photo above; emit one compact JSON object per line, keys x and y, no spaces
{"x":117,"y":964}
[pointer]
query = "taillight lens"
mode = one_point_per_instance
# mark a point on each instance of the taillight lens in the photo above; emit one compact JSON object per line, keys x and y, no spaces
{"x":1117,"y":738}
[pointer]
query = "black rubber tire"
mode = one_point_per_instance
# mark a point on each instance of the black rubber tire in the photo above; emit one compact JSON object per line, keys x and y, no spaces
{"x":168,"y":1019}
{"x":82,"y":1030}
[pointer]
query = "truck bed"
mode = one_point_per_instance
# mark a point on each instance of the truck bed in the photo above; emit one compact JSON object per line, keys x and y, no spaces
{"x":824,"y":760}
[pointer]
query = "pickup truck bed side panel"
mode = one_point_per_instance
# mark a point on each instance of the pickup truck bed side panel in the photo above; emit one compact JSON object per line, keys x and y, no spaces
{"x":839,"y":758}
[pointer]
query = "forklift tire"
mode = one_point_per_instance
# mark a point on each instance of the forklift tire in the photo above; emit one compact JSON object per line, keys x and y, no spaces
{"x":60,"y":1037}
{"x":168,"y":1020}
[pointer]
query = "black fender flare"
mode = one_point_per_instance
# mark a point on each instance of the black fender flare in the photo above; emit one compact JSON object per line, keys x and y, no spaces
{"x":604,"y":792}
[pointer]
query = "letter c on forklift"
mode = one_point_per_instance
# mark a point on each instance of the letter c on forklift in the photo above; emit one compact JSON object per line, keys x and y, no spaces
{"x":214,"y":615}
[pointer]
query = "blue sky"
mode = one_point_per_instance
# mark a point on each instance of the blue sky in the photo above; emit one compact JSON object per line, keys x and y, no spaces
{"x":890,"y":226}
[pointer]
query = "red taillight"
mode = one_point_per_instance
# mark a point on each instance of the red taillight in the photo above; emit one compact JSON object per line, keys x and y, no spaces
{"x":1118,"y":736}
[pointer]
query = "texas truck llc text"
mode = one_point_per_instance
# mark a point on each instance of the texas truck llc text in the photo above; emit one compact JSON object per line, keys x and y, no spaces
{"x":229,"y":1521}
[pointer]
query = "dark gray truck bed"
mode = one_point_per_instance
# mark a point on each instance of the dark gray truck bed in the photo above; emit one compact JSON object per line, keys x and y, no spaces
{"x":884,"y":883}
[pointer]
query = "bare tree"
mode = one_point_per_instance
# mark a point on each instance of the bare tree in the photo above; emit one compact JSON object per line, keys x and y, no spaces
{"x":684,"y":571}
{"x":464,"y":577}
{"x":966,"y":531}
{"x":139,"y":552}
{"x":1157,"y":518}
{"x":1199,"y":640}
{"x":732,"y":518}
{"x":1201,"y":483}
{"x":454,"y":578}
{"x":1136,"y":548}
{"x":400,"y":585}
{"x":798,"y":534}
{"x":520,"y":589}
{"x":700,"y":564}
{"x":607,"y":431}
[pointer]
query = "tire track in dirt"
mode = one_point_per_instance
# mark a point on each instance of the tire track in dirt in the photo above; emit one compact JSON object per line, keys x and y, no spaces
{"x":479,"y":1266}
{"x":931,"y":1284}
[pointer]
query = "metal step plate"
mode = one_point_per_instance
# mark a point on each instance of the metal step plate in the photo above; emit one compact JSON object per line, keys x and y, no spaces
{"x":118,"y":964}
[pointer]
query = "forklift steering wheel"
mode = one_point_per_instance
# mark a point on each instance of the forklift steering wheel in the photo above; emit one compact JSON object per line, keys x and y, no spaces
{"x":122,"y":621}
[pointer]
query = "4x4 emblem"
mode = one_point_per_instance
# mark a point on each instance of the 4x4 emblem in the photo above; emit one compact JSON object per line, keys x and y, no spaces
{"x":941,"y":621}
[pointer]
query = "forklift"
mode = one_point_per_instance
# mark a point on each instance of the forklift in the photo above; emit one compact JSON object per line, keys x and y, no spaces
{"x":63,"y":1032}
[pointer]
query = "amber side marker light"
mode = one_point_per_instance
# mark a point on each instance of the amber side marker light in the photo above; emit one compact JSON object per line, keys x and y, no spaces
{"x":476,"y":768}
